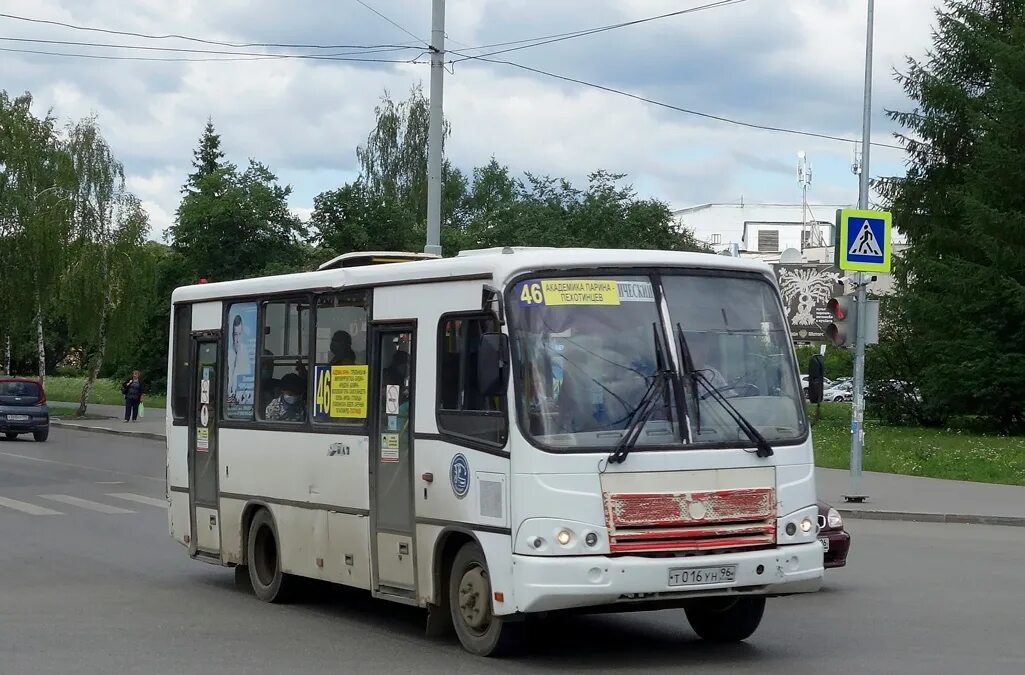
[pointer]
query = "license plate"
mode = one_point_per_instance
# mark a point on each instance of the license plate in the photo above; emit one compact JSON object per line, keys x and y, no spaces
{"x":698,"y":576}
{"x":825,"y":544}
{"x":17,"y":418}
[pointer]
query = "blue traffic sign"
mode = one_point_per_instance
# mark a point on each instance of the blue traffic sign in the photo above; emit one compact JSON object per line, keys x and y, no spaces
{"x":863,"y":240}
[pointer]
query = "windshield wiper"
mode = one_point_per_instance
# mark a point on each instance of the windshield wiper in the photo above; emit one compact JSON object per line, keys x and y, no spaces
{"x":644,"y":407}
{"x":764,"y":449}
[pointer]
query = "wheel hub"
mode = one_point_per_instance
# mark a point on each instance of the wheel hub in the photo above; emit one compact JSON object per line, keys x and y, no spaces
{"x":474,"y":605}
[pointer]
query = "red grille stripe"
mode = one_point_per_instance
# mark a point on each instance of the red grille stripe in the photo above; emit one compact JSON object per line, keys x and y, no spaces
{"x":694,"y":533}
{"x":702,"y":545}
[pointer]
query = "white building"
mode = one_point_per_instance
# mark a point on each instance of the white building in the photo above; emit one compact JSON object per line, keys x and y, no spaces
{"x":764,"y":231}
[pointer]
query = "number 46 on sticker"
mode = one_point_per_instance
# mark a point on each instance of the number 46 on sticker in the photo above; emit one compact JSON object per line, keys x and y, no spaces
{"x":532,"y":294}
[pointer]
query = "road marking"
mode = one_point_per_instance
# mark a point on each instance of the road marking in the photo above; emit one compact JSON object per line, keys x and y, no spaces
{"x":86,"y":504}
{"x":162,"y":503}
{"x":81,"y":466}
{"x":25,"y":507}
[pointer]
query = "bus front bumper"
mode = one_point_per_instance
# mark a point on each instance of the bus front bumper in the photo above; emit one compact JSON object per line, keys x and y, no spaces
{"x":545,"y":584}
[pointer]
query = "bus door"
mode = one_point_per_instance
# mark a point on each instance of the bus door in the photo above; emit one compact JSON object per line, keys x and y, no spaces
{"x":203,"y":472}
{"x":391,"y":461}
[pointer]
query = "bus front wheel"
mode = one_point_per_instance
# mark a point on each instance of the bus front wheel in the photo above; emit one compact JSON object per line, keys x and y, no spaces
{"x":726,"y":619}
{"x":469,"y":596}
{"x":270,"y":584}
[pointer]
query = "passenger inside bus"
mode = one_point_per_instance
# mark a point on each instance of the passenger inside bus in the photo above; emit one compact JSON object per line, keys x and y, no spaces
{"x":290,"y":406}
{"x":342,"y":353}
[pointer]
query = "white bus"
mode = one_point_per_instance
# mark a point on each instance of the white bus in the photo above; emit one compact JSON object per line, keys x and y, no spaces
{"x":499,"y":436}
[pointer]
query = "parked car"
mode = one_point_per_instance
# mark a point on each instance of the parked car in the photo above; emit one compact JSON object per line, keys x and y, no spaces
{"x":23,"y":408}
{"x":835,"y":540}
{"x":826,"y":384}
{"x":842,"y":391}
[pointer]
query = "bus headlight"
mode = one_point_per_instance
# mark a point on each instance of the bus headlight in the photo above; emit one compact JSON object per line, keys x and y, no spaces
{"x":807,"y":525}
{"x":564,"y":537}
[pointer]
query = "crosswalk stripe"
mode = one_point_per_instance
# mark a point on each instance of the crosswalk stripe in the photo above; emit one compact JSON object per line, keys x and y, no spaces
{"x":86,"y":504}
{"x":141,"y":499}
{"x":25,"y":507}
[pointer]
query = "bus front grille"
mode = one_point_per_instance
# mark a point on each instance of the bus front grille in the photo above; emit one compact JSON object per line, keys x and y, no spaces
{"x":698,"y":521}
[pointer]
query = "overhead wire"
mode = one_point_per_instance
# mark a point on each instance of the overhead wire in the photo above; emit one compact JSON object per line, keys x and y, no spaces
{"x":669,"y":106}
{"x":559,"y":37}
{"x":186,"y":59}
{"x":396,"y":24}
{"x":185,"y":50}
{"x":189,"y":38}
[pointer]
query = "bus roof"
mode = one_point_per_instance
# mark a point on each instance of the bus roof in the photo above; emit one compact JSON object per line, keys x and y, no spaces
{"x":498,"y":263}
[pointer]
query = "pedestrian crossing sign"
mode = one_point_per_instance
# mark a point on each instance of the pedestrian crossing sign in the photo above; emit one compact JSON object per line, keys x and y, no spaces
{"x":863,"y":240}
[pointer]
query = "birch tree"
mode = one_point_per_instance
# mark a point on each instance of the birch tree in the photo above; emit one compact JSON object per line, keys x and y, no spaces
{"x":109,"y":227}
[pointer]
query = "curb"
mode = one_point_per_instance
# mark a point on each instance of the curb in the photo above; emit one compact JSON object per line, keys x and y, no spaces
{"x":112,"y":432}
{"x":949,"y":518}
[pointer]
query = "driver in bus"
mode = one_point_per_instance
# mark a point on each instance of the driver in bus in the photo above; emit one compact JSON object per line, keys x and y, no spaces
{"x":290,"y":405}
{"x":704,"y":351}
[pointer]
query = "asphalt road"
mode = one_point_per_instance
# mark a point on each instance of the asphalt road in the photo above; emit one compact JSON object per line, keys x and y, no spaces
{"x":96,"y":586}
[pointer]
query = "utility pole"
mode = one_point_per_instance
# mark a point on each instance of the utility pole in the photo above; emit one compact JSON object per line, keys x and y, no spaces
{"x":858,"y":407}
{"x":435,"y":130}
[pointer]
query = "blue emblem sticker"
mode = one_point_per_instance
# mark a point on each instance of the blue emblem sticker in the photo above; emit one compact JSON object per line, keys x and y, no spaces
{"x":459,"y":475}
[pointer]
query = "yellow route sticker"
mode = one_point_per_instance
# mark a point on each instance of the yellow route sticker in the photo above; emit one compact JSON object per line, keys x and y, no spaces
{"x":579,"y":292}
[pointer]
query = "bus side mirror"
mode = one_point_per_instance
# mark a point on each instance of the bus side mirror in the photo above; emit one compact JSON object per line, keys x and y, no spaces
{"x":816,"y":370}
{"x":493,"y":364}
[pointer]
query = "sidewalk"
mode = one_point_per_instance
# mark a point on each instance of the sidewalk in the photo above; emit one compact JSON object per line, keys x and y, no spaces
{"x":150,"y":427}
{"x":896,"y":497}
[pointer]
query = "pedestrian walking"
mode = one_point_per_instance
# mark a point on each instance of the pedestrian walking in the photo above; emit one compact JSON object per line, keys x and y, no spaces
{"x":132,"y":390}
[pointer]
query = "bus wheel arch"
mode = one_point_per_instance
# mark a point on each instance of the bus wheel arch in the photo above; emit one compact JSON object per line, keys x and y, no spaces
{"x":447,"y":546}
{"x":469,"y":592}
{"x":263,"y":558}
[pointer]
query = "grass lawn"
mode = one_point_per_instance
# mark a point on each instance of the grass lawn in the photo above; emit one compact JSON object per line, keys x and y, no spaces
{"x":68,"y":412}
{"x":106,"y":392}
{"x":919,"y":451}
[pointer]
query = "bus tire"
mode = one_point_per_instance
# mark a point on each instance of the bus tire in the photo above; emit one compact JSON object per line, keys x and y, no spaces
{"x":726,"y":619}
{"x":469,"y":599}
{"x":269,"y":583}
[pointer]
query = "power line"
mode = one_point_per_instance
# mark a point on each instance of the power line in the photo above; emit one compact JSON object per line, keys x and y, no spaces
{"x":559,"y":37}
{"x":183,"y":50}
{"x":397,"y":25}
{"x":661,"y":104}
{"x":185,"y":59}
{"x":175,"y":36}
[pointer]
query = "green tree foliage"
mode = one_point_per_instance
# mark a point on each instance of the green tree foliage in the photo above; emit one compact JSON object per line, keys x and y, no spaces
{"x":962,"y":207}
{"x":233,"y":224}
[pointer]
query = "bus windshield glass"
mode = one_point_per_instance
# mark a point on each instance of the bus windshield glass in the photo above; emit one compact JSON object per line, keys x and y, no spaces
{"x":586,"y":353}
{"x":734,"y":330}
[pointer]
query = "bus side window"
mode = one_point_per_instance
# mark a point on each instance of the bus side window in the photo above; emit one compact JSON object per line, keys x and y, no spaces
{"x":463,"y":412}
{"x":181,"y":375}
{"x":284,"y":361}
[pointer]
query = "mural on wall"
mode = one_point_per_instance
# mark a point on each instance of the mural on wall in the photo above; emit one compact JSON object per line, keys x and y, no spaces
{"x":806,"y":288}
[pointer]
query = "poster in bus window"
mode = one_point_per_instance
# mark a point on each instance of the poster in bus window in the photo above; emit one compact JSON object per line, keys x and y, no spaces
{"x":241,"y":361}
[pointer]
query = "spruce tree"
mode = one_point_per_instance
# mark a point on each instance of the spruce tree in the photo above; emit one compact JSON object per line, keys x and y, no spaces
{"x":962,"y":207}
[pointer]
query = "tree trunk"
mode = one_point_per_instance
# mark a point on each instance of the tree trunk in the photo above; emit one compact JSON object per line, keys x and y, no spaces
{"x":101,"y":346}
{"x":7,"y":356}
{"x":40,"y":345}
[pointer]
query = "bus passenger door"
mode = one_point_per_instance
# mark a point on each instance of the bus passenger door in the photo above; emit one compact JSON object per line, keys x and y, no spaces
{"x":391,"y":461}
{"x":203,"y":488}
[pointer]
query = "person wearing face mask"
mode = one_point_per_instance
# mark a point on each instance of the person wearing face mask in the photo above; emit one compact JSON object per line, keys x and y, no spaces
{"x":290,"y":406}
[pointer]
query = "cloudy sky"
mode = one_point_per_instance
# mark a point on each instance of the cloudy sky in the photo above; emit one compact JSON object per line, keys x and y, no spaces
{"x":785,"y":63}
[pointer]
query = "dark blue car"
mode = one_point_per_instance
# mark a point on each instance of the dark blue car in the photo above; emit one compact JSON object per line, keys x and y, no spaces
{"x":23,"y":408}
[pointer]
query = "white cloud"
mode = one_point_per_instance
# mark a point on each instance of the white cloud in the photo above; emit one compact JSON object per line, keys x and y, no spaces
{"x":793,"y":63}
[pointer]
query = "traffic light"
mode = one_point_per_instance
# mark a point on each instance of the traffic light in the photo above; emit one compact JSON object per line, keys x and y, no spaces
{"x":844,"y":310}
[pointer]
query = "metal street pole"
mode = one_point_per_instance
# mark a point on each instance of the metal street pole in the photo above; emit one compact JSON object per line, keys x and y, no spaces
{"x":434,"y":132}
{"x":858,"y":407}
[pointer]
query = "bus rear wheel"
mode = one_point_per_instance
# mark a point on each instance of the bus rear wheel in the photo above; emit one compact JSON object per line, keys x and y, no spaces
{"x":469,"y":598}
{"x":269,"y":583}
{"x":726,"y":619}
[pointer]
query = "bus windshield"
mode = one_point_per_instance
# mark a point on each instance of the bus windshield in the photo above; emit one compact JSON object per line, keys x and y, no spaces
{"x":586,"y":353}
